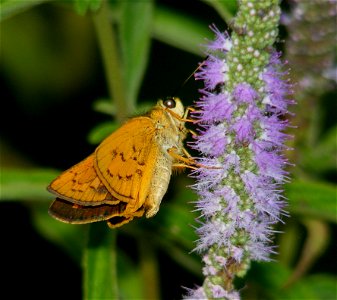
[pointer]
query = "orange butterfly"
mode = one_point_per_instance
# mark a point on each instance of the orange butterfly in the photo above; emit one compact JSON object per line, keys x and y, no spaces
{"x":129,"y":172}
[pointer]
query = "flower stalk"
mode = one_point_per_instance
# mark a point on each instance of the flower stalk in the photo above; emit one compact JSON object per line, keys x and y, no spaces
{"x":241,"y":112}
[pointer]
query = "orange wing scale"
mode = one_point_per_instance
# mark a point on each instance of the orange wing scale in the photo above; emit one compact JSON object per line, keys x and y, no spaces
{"x":124,"y":164}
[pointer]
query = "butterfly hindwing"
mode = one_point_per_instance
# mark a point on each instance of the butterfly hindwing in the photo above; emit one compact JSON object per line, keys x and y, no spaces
{"x":69,"y":212}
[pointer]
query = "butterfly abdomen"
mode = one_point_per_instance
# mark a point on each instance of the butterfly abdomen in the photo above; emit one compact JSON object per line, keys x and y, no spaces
{"x":159,"y":184}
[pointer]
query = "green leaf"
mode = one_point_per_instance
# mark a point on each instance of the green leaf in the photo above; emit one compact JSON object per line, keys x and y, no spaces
{"x":27,"y":184}
{"x":312,"y":199}
{"x":268,"y":280}
{"x":104,"y":106}
{"x":226,"y":9}
{"x":99,"y":262}
{"x":82,"y":6}
{"x":314,"y":287}
{"x":180,"y":31}
{"x":323,"y":156}
{"x":10,"y":8}
{"x":101,"y":131}
{"x":107,"y":40}
{"x":289,"y":243}
{"x":315,"y":245}
{"x":135,"y":29}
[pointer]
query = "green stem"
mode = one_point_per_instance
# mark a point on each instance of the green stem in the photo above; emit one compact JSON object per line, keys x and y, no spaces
{"x":112,"y":63}
{"x":99,"y":262}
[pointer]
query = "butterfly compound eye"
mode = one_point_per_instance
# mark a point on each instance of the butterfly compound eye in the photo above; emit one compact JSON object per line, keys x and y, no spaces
{"x":170,"y":103}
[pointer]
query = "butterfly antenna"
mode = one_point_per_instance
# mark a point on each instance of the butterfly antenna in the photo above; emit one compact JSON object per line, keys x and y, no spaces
{"x":189,"y":77}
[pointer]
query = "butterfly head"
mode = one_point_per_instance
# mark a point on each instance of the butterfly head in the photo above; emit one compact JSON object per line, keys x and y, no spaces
{"x":173,"y":105}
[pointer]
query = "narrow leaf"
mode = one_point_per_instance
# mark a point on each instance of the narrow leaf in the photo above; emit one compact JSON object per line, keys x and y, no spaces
{"x":10,"y":8}
{"x":99,"y":262}
{"x":107,"y":40}
{"x":314,"y":287}
{"x":82,"y":6}
{"x":312,"y":199}
{"x":315,"y":244}
{"x":181,"y":31}
{"x":323,"y":156}
{"x":104,"y":106}
{"x":135,"y":29}
{"x":101,"y":131}
{"x":226,"y":9}
{"x":26,"y":184}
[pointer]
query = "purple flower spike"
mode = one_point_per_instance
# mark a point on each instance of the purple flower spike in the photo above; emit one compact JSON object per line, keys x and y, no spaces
{"x":244,"y":93}
{"x":214,"y":107}
{"x":241,"y":114}
{"x":212,"y":72}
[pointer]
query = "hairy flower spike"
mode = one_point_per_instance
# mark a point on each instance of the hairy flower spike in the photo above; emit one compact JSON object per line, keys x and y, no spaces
{"x":242,"y":115}
{"x":212,"y":72}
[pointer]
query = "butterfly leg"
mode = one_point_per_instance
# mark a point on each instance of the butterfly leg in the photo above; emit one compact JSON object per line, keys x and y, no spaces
{"x":187,"y":110}
{"x":192,"y":132}
{"x":187,"y":162}
{"x":187,"y":153}
{"x":183,"y":166}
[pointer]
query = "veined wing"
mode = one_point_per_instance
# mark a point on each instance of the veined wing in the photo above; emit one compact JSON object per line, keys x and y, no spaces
{"x":68,"y":212}
{"x":125,"y":161}
{"x":80,"y":184}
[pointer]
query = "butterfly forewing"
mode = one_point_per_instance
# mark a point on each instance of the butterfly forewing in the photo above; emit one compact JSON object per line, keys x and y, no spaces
{"x":123,"y":161}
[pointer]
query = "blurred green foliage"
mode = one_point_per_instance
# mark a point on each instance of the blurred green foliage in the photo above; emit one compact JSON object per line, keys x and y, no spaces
{"x":52,"y":75}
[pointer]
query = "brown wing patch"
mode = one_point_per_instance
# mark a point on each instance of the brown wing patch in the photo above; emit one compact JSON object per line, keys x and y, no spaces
{"x":81,"y":184}
{"x":123,"y":161}
{"x":68,"y":212}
